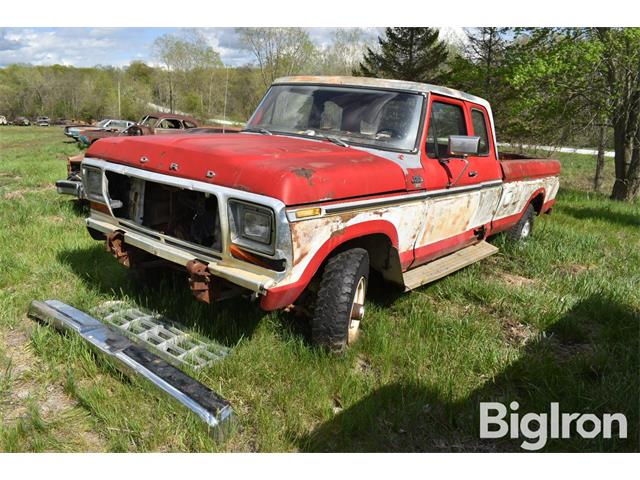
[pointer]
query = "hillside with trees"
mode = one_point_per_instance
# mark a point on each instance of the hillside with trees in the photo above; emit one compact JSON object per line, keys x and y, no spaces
{"x":548,"y":86}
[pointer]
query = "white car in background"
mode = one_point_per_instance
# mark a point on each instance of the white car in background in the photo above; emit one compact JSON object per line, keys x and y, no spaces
{"x":3,"y":120}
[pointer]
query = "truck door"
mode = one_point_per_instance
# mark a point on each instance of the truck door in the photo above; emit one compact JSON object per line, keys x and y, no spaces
{"x":456,"y":210}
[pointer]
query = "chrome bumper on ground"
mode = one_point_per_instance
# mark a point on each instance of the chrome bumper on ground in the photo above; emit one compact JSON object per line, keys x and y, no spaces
{"x":70,"y":187}
{"x":214,"y":410}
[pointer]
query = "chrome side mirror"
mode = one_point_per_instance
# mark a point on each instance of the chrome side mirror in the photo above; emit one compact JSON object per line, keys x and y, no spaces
{"x":463,"y":145}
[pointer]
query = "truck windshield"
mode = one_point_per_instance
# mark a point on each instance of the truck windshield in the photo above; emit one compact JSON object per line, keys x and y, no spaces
{"x":367,"y":117}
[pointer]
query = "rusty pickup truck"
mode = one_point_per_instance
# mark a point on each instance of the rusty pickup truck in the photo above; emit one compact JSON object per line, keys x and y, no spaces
{"x":332,"y":178}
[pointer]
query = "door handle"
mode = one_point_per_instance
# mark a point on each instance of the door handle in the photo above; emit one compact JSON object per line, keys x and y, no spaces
{"x":473,"y":173}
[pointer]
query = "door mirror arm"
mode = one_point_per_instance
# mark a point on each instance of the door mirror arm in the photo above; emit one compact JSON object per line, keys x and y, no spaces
{"x":462,"y":172}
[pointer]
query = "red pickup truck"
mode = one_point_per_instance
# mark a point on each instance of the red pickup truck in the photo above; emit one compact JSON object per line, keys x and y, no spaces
{"x":332,"y":177}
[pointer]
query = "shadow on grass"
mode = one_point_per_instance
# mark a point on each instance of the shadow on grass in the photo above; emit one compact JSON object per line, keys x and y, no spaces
{"x":226,"y":322}
{"x":604,"y":214}
{"x":587,"y":361}
{"x":80,"y":208}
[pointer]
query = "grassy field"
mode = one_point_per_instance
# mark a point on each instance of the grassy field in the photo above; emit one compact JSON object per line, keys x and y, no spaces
{"x":554,"y":320}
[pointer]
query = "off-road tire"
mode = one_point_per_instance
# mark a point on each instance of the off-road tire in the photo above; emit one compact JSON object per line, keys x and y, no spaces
{"x":338,"y":284}
{"x":522,"y":230}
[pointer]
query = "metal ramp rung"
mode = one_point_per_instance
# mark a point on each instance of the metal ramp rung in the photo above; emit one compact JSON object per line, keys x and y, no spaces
{"x":442,"y":267}
{"x":161,"y":335}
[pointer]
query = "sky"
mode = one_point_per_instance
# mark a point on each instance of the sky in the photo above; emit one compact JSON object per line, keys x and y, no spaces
{"x":86,"y":47}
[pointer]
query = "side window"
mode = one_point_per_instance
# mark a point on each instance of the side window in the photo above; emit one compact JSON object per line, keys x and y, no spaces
{"x":169,"y":123}
{"x":188,"y":124}
{"x":445,"y":120}
{"x":480,"y":130}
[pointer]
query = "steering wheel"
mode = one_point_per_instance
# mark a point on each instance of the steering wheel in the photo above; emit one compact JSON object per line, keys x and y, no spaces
{"x":387,"y":132}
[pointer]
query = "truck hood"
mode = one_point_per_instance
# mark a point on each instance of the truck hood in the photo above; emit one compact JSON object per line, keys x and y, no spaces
{"x":293,"y":170}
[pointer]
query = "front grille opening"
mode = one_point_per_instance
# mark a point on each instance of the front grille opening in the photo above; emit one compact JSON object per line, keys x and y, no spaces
{"x":182,"y":214}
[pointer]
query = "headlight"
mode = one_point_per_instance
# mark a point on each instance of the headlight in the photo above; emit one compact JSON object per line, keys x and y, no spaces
{"x":92,"y":182}
{"x":251,"y":226}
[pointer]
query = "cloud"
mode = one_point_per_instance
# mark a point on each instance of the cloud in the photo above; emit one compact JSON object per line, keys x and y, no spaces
{"x":82,"y":47}
{"x":8,"y":43}
{"x":86,"y":47}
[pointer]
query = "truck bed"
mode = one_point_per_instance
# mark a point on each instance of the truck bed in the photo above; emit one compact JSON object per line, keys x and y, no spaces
{"x":521,"y":167}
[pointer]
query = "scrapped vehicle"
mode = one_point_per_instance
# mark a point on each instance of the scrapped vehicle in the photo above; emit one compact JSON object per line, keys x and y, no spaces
{"x":22,"y":121}
{"x":152,"y":124}
{"x":73,"y":184}
{"x":42,"y":121}
{"x":333,"y":177}
{"x":217,"y":129}
{"x":87,"y":136}
{"x":3,"y":120}
{"x":74,"y":131}
{"x":163,"y":123}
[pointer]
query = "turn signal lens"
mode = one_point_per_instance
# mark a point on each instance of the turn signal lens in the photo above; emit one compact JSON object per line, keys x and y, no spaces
{"x":308,"y":212}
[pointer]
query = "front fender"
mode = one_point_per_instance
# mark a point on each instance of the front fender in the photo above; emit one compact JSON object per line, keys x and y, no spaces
{"x":309,"y":255}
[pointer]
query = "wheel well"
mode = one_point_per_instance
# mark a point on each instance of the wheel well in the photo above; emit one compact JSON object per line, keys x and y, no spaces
{"x":383,"y":256}
{"x":537,"y":202}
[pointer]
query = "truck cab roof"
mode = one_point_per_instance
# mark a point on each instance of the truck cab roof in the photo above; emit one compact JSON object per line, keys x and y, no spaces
{"x":384,"y":84}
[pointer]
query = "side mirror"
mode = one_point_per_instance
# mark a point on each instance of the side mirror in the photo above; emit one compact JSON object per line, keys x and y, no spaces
{"x":463,"y":145}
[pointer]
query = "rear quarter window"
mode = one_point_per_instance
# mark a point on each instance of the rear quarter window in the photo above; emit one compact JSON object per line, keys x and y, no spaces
{"x":480,"y":130}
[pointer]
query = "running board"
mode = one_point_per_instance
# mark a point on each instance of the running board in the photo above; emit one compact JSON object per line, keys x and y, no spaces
{"x":442,"y":267}
{"x":214,"y":410}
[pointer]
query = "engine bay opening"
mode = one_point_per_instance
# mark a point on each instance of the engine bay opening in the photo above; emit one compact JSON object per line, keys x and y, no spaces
{"x":183,"y":214}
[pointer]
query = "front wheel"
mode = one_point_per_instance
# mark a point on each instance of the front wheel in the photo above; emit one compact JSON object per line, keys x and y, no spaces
{"x":339,"y":306}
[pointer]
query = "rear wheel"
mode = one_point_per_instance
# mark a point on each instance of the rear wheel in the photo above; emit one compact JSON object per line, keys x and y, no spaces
{"x":522,"y":230}
{"x":339,"y":306}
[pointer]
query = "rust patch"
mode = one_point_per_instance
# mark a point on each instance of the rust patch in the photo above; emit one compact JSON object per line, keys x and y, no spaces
{"x":199,"y":280}
{"x":345,"y":217}
{"x":115,"y":245}
{"x":306,"y":173}
{"x":337,"y":233}
{"x":446,"y":218}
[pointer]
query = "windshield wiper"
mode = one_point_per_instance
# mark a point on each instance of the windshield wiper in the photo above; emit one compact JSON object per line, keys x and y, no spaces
{"x":263,"y":131}
{"x":334,"y":140}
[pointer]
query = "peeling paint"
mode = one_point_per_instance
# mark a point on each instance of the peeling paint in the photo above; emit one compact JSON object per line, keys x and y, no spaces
{"x":304,"y":173}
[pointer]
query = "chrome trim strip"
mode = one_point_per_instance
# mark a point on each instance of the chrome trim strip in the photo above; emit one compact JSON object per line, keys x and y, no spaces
{"x":397,"y":199}
{"x":214,"y":410}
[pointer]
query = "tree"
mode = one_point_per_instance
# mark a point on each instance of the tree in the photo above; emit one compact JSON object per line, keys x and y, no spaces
{"x":345,"y":52}
{"x":585,"y":79}
{"x":486,"y":47}
{"x":185,"y":57}
{"x":620,"y":48}
{"x":414,"y":54}
{"x":278,"y":51}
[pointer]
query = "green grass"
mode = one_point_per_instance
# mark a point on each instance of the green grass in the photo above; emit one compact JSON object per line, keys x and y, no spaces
{"x":556,"y":319}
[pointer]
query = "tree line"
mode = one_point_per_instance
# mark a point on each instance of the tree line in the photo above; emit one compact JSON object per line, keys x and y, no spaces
{"x":547,"y":86}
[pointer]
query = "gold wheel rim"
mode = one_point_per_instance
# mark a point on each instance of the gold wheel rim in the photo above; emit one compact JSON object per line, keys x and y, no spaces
{"x":357,"y":310}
